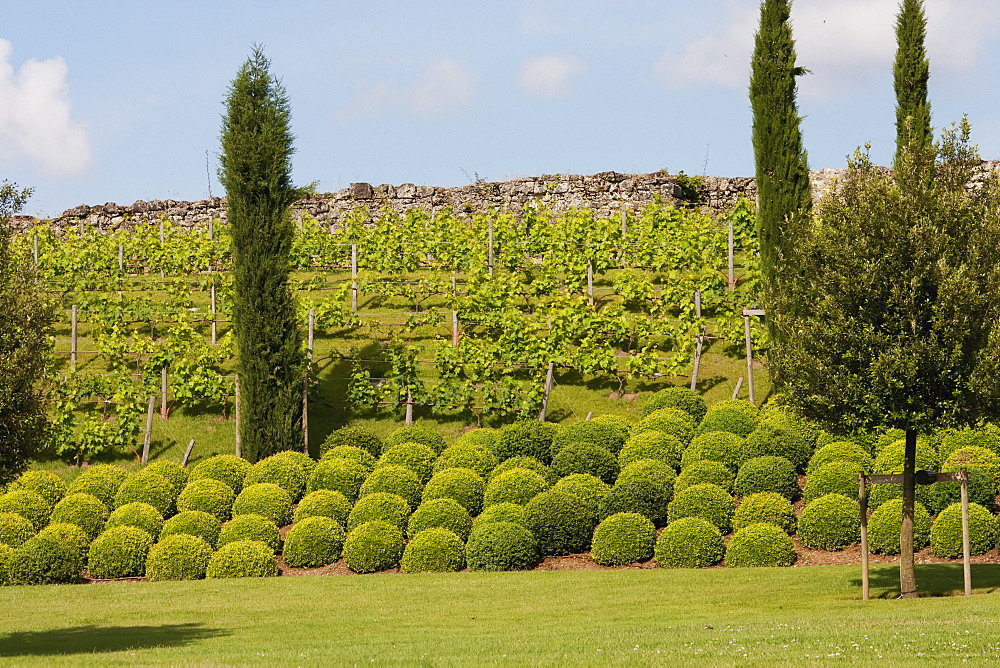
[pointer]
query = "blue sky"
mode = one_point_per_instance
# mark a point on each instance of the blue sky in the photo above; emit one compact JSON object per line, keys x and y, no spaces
{"x":106,"y":101}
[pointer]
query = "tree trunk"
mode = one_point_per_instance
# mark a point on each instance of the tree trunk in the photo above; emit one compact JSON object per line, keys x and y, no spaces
{"x":907,"y":576}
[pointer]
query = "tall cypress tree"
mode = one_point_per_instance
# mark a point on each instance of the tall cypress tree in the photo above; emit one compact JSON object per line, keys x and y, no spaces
{"x":910,"y":74}
{"x":256,"y":173}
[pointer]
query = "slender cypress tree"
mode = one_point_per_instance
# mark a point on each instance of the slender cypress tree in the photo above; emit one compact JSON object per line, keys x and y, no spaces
{"x":256,"y":173}
{"x":910,"y":74}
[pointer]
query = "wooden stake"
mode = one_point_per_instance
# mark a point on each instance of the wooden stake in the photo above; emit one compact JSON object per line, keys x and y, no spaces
{"x":211,"y":229}
{"x":187,"y":453}
{"x":490,"y":246}
{"x":732,"y":266}
{"x":624,"y":232}
{"x":746,"y":329}
{"x":149,"y":430}
{"x":697,"y":363}
{"x":590,"y":414}
{"x":215,"y":323}
{"x":739,"y":386}
{"x":236,"y":410}
{"x":121,"y":258}
{"x":454,"y":314}
{"x":161,"y":232}
{"x":590,"y":281}
{"x":299,"y":216}
{"x":863,"y":502}
{"x":409,"y":408}
{"x":72,"y":338}
{"x":966,"y":543}
{"x":163,"y":393}
{"x":34,"y":242}
{"x":549,"y":377}
{"x":305,"y":382}
{"x":354,"y":277}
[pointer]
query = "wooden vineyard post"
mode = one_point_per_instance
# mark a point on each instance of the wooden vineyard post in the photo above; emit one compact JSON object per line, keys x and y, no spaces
{"x":354,"y":277}
{"x":236,"y":410}
{"x":409,"y":408}
{"x":549,"y":378}
{"x":211,"y":229}
{"x":739,"y":386}
{"x":490,"y":246}
{"x":454,"y":313}
{"x":299,"y":217}
{"x":699,"y":341}
{"x":187,"y":453}
{"x":161,"y":242}
{"x":149,"y":429}
{"x":305,"y":382}
{"x":624,"y":232}
{"x":747,"y":312}
{"x":121,"y":258}
{"x":590,"y":414}
{"x":215,"y":316}
{"x":163,"y":392}
{"x":590,"y":282}
{"x":34,"y":243}
{"x":863,"y":502}
{"x":72,"y":337}
{"x":966,"y":542}
{"x":732,"y":266}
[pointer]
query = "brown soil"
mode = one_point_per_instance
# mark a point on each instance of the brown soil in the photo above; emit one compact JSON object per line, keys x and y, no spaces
{"x":627,"y":396}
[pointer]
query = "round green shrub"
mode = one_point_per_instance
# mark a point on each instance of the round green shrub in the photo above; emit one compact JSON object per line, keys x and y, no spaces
{"x":359,"y":456}
{"x":172,"y":471}
{"x":179,"y":556}
{"x":689,"y":542}
{"x":6,"y":552}
{"x":382,"y":506}
{"x":672,"y":421}
{"x":394,"y":480}
{"x":501,"y":546}
{"x":140,"y":515}
{"x":987,"y":436}
{"x":315,"y":541}
{"x":417,"y":457}
{"x":760,"y":545}
{"x":324,"y":503}
{"x":265,"y":499}
{"x":30,"y":505}
{"x":44,"y":561}
{"x":119,"y":552}
{"x":251,"y":527}
{"x":357,"y":437}
{"x":434,"y":550}
{"x":44,"y":483}
{"x":468,"y":455}
{"x":784,"y":419}
{"x":652,"y":445}
{"x":230,"y":469}
{"x":832,"y":478}
{"x":416,"y":434}
{"x":652,"y":470}
{"x":593,"y":491}
{"x":483,"y":437}
{"x":767,"y":507}
{"x":771,"y":440}
{"x":562,"y":523}
{"x":973,"y":457}
{"x":677,"y":397}
{"x":638,"y":495}
{"x":707,"y":501}
{"x":884,"y":526}
{"x":704,"y":471}
{"x":307,"y":463}
{"x":621,"y":425}
{"x":526,"y":439}
{"x":982,"y":490}
{"x":946,"y":531}
{"x":444,"y":513}
{"x":209,"y":496}
{"x":731,"y":420}
{"x":715,"y":446}
{"x":102,"y":481}
{"x":284,"y":472}
{"x":15,"y":529}
{"x":742,"y":405}
{"x":243,"y":559}
{"x":583,"y":457}
{"x":502,"y":512}
{"x":70,"y":534}
{"x":767,"y":474}
{"x":464,"y":485}
{"x":890,"y":457}
{"x":338,"y":475}
{"x":515,"y":486}
{"x":623,"y":538}
{"x":147,"y":487}
{"x":193,"y":523}
{"x":83,"y":510}
{"x":603,"y":434}
{"x":831,"y":522}
{"x":373,"y":546}
{"x":840,"y":451}
{"x":529,"y":463}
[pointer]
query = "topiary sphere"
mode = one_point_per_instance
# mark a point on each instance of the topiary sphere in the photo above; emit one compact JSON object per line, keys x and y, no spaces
{"x":468,"y":455}
{"x":602,"y":434}
{"x":172,"y":471}
{"x":645,"y":497}
{"x":502,"y":512}
{"x":593,"y":491}
{"x":529,"y":463}
{"x":209,"y":496}
{"x":147,"y":487}
{"x":70,"y":534}
{"x":982,"y":490}
{"x":178,"y":556}
{"x":483,"y":437}
{"x":281,"y":471}
{"x":464,"y":485}
{"x":890,"y":458}
{"x":373,"y":546}
{"x":623,"y":538}
{"x":707,"y":501}
{"x":885,"y":523}
{"x":338,"y":475}
{"x":6,"y":552}
{"x":140,"y":515}
{"x":973,"y":457}
{"x":771,"y":440}
{"x":251,"y":527}
{"x":416,"y":434}
{"x":417,"y":457}
{"x":689,"y":542}
{"x":583,"y":457}
{"x":946,"y":531}
{"x":785,"y":419}
{"x":30,"y":505}
{"x":767,"y":474}
{"x":83,"y":510}
{"x":840,"y":451}
{"x":444,"y":513}
{"x":832,"y":478}
{"x":561,"y":522}
{"x":501,"y":546}
{"x":621,"y":425}
{"x":15,"y":529}
{"x":382,"y":506}
{"x":652,"y":470}
{"x":44,"y":483}
{"x":727,"y":419}
{"x":313,"y":542}
{"x":324,"y":503}
{"x":742,"y":405}
{"x":265,"y":499}
{"x":762,"y":544}
{"x":434,"y":550}
{"x":229,"y":469}
{"x":715,"y":446}
{"x":526,"y":439}
{"x":929,"y":495}
{"x":515,"y":486}
{"x":119,"y":552}
{"x":652,"y":445}
{"x":831,"y":522}
{"x":394,"y":480}
{"x":243,"y":559}
{"x":987,"y":436}
{"x":193,"y":523}
{"x":358,"y":437}
{"x":44,"y":561}
{"x":767,"y":507}
{"x":307,"y":463}
{"x":677,"y":397}
{"x":102,"y":481}
{"x":672,"y":421}
{"x":703,"y":471}
{"x":359,"y":456}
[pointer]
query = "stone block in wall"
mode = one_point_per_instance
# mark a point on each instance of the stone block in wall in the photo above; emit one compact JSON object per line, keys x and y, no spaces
{"x":424,"y":191}
{"x":406,"y":191}
{"x":384,"y":191}
{"x":360,"y":190}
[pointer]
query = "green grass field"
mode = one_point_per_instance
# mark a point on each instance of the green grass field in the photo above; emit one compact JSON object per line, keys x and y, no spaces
{"x":714,"y":616}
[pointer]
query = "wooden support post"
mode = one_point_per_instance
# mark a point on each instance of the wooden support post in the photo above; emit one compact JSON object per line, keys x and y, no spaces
{"x":863,"y":502}
{"x":149,"y":430}
{"x":454,"y":313}
{"x":697,"y":363}
{"x":624,"y":233}
{"x":163,"y":393}
{"x":305,"y":411}
{"x":490,"y":246}
{"x":966,"y":543}
{"x":549,"y":378}
{"x":72,"y":337}
{"x":187,"y":453}
{"x":236,"y":410}
{"x":590,"y":282}
{"x":311,"y":332}
{"x":162,"y":237}
{"x":409,"y":408}
{"x":746,"y":329}
{"x":121,"y":258}
{"x":211,"y":229}
{"x":215,"y":324}
{"x":590,"y":414}
{"x":732,"y":266}
{"x":739,"y":386}
{"x":299,"y":216}
{"x":354,"y":277}
{"x":34,"y":243}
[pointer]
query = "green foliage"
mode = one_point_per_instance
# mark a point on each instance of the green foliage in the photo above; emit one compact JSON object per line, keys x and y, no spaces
{"x":689,"y":542}
{"x":946,"y":531}
{"x":501,"y":546}
{"x":15,"y":529}
{"x":416,"y":434}
{"x":760,"y":545}
{"x":716,"y":446}
{"x":178,"y":556}
{"x":621,"y":425}
{"x":606,"y":435}
{"x":728,"y":419}
{"x":486,"y":438}
{"x":373,"y":546}
{"x":677,"y":397}
{"x":652,"y":470}
{"x":562,"y":523}
{"x":585,"y":457}
{"x":229,"y":469}
{"x":357,"y":437}
{"x":840,"y":451}
{"x":44,"y":561}
{"x":463,"y":485}
{"x":394,"y":480}
{"x":467,"y":455}
{"x":982,"y":490}
{"x":338,"y":475}
{"x":281,"y":471}
{"x":652,"y":445}
{"x":44,"y":483}
{"x":29,"y":505}
{"x":703,"y":471}
{"x":884,"y":526}
{"x":707,"y":501}
{"x":638,"y":495}
{"x":910,"y":73}
{"x":773,"y":440}
{"x":324,"y":503}
{"x":172,"y":471}
{"x":591,"y":490}
{"x":434,"y":550}
{"x":83,"y":510}
{"x":523,"y":462}
{"x":193,"y":523}
{"x":832,"y":478}
{"x":831,"y":522}
{"x":417,"y":457}
{"x":444,"y":513}
{"x":623,"y":538}
{"x":6,"y":552}
{"x":119,"y":552}
{"x":251,"y":527}
{"x":265,"y":499}
{"x":147,"y":487}
{"x":70,"y":534}
{"x":139,"y":515}
{"x":767,"y":474}
{"x":315,"y":541}
{"x":742,"y":405}
{"x":243,"y":559}
{"x":381,"y":506}
{"x":208,"y":495}
{"x":516,"y":486}
{"x":987,"y":436}
{"x":768,"y":507}
{"x":357,"y":455}
{"x":890,"y":460}
{"x":526,"y":439}
{"x":97,"y":484}
{"x":672,"y":421}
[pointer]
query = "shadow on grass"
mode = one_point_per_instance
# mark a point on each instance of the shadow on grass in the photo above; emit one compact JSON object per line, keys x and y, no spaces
{"x":91,"y":639}
{"x":932,"y":580}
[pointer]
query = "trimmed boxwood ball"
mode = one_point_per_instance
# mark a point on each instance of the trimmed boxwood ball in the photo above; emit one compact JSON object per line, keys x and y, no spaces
{"x":469,"y":455}
{"x":102,"y":481}
{"x":727,"y":419}
{"x":840,"y":451}
{"x":358,"y":437}
{"x":982,"y":490}
{"x":281,"y":471}
{"x":417,"y":457}
{"x":767,"y":474}
{"x":583,"y":457}
{"x":324,"y":503}
{"x":703,"y":471}
{"x":742,"y":405}
{"x":464,"y":485}
{"x":672,"y":421}
{"x":588,"y":431}
{"x":784,"y":419}
{"x":243,"y":559}
{"x":652,"y":445}
{"x":416,"y":434}
{"x":832,"y":478}
{"x":767,"y":507}
{"x":138,"y":514}
{"x":444,"y":513}
{"x":15,"y":529}
{"x":434,"y":550}
{"x":946,"y":531}
{"x":677,"y":397}
{"x":251,"y":527}
{"x":44,"y":483}
{"x":501,"y":546}
{"x":529,"y":463}
{"x":83,"y":510}
{"x":831,"y":522}
{"x":890,"y":458}
{"x":638,"y":495}
{"x":394,"y":480}
{"x":339,"y":475}
{"x":715,"y":446}
{"x":119,"y":552}
{"x":623,"y":538}
{"x":148,"y":487}
{"x":760,"y":545}
{"x":373,"y":547}
{"x":6,"y":552}
{"x":172,"y":471}
{"x":179,"y":556}
{"x":593,"y":491}
{"x":313,"y":542}
{"x":208,"y":495}
{"x":483,"y":437}
{"x":70,"y":534}
{"x":652,"y":470}
{"x":307,"y":463}
{"x":689,"y":542}
{"x":357,"y":455}
{"x":28,"y":504}
{"x":382,"y":506}
{"x":987,"y":436}
{"x":44,"y":561}
{"x":193,"y":523}
{"x":515,"y":486}
{"x":973,"y":457}
{"x":707,"y":501}
{"x":230,"y":469}
{"x":502,"y":512}
{"x":771,"y":440}
{"x":265,"y":499}
{"x":884,"y":525}
{"x":526,"y":439}
{"x":621,"y":425}
{"x":561,"y":522}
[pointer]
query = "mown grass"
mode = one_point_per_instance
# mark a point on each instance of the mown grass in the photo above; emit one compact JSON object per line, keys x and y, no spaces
{"x":714,"y":616}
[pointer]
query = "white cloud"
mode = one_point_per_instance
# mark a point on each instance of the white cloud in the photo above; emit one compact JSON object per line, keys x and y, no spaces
{"x":442,"y":88}
{"x":549,"y":77}
{"x":35,"y":118}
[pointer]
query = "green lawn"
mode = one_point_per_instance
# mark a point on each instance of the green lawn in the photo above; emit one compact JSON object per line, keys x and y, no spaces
{"x":719,"y":616}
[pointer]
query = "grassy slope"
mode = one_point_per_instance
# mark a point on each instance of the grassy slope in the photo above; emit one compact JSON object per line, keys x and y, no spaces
{"x":724,"y":616}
